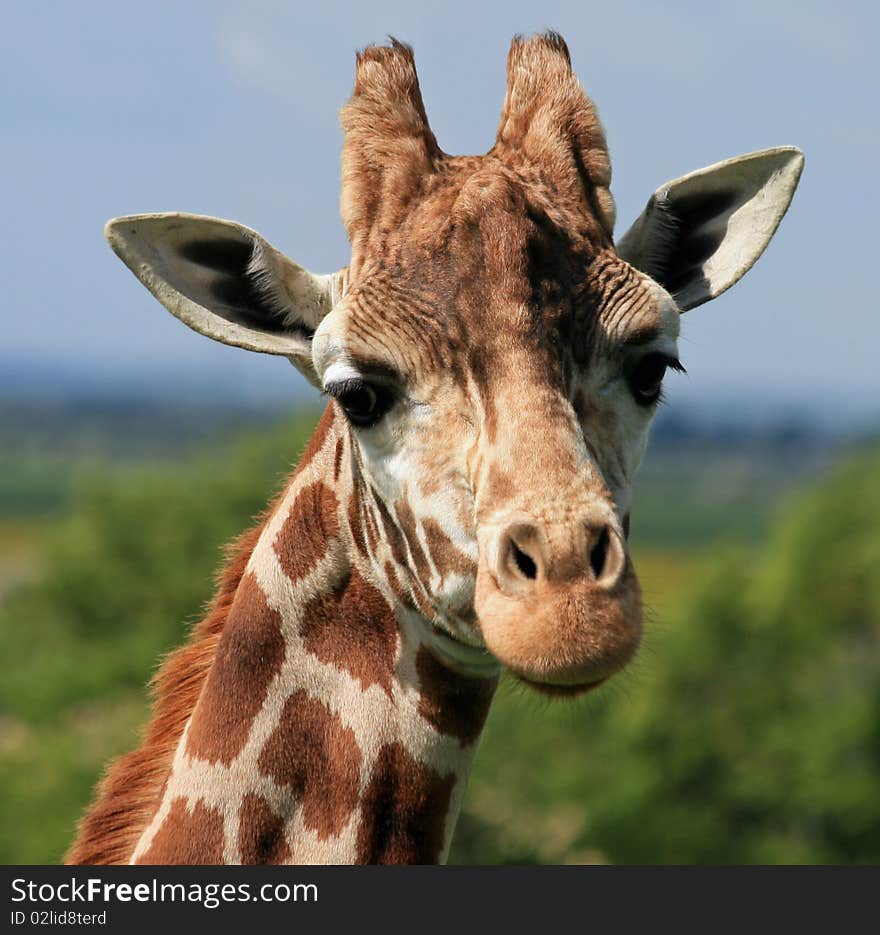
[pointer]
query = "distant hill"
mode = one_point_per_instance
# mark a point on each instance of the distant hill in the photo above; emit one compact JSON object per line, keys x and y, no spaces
{"x":265,"y":383}
{"x":253,"y":380}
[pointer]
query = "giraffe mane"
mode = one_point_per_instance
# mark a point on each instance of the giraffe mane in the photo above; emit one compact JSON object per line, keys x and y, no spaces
{"x":132,"y":785}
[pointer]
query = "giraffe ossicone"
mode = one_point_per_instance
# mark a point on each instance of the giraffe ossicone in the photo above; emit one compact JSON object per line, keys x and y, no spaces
{"x":493,"y":362}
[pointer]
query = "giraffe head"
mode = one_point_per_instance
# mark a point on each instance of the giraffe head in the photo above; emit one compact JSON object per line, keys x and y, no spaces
{"x":498,"y":358}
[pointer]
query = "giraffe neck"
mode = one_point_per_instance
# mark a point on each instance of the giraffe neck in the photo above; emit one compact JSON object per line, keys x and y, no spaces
{"x":327,"y":731}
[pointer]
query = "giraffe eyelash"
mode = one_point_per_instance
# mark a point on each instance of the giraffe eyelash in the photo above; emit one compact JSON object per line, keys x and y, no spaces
{"x":339,"y":388}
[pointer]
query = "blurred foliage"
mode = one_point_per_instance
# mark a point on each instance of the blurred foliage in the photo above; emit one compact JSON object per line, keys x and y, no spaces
{"x":47,"y":444}
{"x":748,"y":730}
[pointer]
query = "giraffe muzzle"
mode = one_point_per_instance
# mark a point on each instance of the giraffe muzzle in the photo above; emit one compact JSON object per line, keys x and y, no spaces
{"x":559,"y":603}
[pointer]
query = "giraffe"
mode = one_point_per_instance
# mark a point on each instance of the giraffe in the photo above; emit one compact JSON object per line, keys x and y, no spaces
{"x":493,"y":360}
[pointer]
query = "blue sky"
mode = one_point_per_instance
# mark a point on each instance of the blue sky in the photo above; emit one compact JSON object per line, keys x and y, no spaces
{"x":231,"y":110}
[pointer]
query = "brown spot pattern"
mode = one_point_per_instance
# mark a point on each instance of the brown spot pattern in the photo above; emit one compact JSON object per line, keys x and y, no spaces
{"x":454,"y":704}
{"x":410,"y":530}
{"x":404,"y":811}
{"x":318,"y":757}
{"x":319,"y":436}
{"x":187,"y":836}
{"x":447,"y":557}
{"x":372,"y":530}
{"x":392,"y":534}
{"x":260,"y":833}
{"x":249,"y":656}
{"x":394,"y":582}
{"x":355,"y":526}
{"x":354,"y":629}
{"x":337,"y":457}
{"x":310,"y":525}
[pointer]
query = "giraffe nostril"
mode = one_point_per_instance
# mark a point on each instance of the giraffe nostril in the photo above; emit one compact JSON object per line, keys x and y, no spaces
{"x":520,"y":561}
{"x":599,"y":554}
{"x":524,"y":562}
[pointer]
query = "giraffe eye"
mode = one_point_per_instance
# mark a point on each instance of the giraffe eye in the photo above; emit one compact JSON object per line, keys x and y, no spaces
{"x":364,"y":403}
{"x":646,"y":378}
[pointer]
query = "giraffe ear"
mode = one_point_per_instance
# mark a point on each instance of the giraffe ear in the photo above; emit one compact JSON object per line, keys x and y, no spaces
{"x":703,"y":232}
{"x":225,"y":281}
